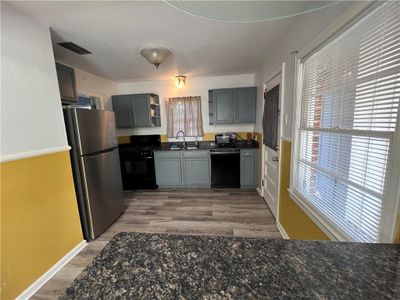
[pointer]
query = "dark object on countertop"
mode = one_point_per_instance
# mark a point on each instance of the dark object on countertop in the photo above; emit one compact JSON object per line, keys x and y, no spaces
{"x":137,"y":162}
{"x":160,"y":266}
{"x":226,"y":139}
{"x":249,"y":138}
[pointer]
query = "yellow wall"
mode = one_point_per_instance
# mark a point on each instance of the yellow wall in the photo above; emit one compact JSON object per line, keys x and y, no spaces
{"x":295,"y":222}
{"x":39,"y":219}
{"x":123,"y":139}
{"x":258,"y":137}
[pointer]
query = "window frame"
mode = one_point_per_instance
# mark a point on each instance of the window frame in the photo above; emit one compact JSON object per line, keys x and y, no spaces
{"x":391,"y":201}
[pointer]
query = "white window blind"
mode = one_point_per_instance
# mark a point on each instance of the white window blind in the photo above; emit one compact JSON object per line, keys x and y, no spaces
{"x":349,"y":105}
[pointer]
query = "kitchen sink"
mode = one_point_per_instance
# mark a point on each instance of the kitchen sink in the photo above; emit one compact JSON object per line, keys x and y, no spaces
{"x":173,"y":148}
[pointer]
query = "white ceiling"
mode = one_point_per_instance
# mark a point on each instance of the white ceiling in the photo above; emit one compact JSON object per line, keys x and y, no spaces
{"x":116,"y":32}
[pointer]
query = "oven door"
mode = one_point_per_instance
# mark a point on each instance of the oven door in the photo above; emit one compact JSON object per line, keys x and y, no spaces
{"x":137,"y":171}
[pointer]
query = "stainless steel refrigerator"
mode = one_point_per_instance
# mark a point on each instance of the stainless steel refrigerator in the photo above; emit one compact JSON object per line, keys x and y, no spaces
{"x":96,"y":168}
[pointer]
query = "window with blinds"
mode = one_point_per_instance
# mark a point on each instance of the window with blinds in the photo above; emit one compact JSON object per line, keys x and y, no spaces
{"x":349,"y":97}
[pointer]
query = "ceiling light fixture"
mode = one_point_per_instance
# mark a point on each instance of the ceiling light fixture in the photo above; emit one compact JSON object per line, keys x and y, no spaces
{"x":155,"y":55}
{"x":180,"y":81}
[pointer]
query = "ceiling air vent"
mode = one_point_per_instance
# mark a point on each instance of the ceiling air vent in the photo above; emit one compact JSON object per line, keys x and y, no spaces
{"x":74,"y":47}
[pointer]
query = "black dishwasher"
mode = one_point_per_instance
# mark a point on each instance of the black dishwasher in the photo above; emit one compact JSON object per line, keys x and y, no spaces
{"x":225,"y":168}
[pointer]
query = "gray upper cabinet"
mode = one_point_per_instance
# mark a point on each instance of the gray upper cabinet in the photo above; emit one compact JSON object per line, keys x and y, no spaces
{"x":136,"y":110}
{"x":140,"y":109}
{"x":248,"y":167}
{"x":66,"y":83}
{"x":245,"y":104}
{"x":233,"y":105}
{"x":223,"y":106}
{"x":123,"y":111}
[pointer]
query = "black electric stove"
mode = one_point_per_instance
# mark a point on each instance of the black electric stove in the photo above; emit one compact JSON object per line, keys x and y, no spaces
{"x":137,"y":162}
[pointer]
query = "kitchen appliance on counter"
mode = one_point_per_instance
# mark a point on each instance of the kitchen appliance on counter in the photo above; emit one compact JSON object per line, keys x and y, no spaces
{"x":226,"y":140}
{"x":137,"y":162}
{"x":225,"y":168}
{"x":96,"y":168}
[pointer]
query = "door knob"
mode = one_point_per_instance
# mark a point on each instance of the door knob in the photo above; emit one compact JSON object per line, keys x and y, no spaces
{"x":275,"y":158}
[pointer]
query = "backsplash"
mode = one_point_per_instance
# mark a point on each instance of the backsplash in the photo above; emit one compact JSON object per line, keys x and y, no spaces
{"x":208,"y":136}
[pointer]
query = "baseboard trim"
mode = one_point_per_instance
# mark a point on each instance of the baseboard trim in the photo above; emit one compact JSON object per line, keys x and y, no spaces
{"x":260,"y":191}
{"x":282,"y":231}
{"x":34,"y":287}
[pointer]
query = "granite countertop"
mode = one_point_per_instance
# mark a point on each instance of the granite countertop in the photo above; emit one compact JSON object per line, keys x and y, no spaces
{"x":162,"y":266}
{"x":205,"y":145}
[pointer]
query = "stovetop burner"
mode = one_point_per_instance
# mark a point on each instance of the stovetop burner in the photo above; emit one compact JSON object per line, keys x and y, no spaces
{"x":142,"y":143}
{"x":136,"y":148}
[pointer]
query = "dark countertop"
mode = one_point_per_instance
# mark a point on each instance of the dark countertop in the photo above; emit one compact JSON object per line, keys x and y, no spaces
{"x":205,"y":145}
{"x":161,"y":266}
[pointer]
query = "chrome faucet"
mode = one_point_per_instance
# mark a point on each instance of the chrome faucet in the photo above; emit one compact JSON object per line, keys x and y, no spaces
{"x":183,"y":135}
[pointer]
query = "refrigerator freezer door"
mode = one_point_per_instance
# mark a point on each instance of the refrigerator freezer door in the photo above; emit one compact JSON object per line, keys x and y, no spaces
{"x":95,"y":130}
{"x":103,"y":189}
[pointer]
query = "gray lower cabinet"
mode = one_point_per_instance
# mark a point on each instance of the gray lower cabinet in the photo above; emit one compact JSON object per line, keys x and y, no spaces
{"x":232,"y":105}
{"x":168,"y":168}
{"x":196,"y":167}
{"x":193,"y":168}
{"x":136,"y":110}
{"x":248,"y":167}
{"x":182,"y":168}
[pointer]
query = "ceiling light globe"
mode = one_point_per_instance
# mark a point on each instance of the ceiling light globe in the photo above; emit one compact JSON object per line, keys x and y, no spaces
{"x":155,"y":55}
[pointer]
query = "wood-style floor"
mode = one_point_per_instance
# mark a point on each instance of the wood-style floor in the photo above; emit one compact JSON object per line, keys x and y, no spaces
{"x":226,"y":212}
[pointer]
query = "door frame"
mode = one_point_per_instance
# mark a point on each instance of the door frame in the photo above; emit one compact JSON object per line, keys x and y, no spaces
{"x":278,"y":72}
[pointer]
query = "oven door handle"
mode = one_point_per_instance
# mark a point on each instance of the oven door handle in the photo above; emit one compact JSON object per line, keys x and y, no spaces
{"x":148,"y":157}
{"x":224,"y":153}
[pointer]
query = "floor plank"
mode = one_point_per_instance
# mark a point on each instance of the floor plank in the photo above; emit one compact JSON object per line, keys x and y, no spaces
{"x":216,"y":212}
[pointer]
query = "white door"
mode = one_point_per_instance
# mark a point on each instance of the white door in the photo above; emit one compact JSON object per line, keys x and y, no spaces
{"x":271,"y":156}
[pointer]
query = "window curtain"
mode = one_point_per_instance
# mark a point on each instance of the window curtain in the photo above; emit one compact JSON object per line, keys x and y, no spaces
{"x":184,"y":113}
{"x":270,"y":118}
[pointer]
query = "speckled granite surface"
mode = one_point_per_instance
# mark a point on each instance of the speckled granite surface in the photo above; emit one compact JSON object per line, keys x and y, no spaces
{"x":159,"y":266}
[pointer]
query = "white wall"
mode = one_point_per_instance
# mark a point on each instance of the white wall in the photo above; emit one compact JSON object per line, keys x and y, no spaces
{"x":303,"y":30}
{"x":195,"y":86}
{"x":31,"y":112}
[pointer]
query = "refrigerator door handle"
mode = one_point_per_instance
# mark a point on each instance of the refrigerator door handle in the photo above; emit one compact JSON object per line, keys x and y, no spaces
{"x":97,"y":154}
